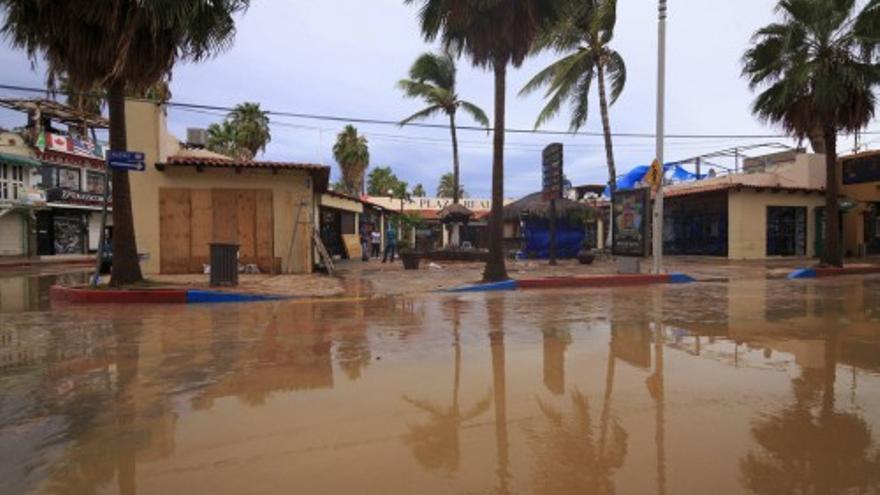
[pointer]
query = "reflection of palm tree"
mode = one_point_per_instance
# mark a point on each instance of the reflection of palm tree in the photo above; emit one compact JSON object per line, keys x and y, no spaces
{"x":568,"y":458}
{"x":808,"y":447}
{"x":495,"y":309}
{"x":436,"y":444}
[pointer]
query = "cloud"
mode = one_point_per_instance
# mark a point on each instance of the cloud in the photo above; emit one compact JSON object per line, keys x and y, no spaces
{"x":343,"y":57}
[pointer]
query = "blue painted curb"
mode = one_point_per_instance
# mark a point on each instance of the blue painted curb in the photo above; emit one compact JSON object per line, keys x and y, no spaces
{"x":802,"y":273}
{"x":680,"y":278}
{"x":209,"y":296}
{"x":496,"y":286}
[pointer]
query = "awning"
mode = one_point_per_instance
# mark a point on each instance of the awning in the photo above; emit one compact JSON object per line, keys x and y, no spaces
{"x":19,"y":160}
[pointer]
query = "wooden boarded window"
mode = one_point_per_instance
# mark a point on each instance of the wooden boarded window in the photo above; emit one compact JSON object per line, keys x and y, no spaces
{"x":190,"y":219}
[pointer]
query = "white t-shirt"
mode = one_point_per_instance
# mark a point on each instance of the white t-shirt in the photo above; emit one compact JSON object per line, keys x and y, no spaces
{"x":376,"y":237}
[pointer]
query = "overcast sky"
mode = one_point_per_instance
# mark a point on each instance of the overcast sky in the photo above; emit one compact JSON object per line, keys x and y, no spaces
{"x":343,"y":57}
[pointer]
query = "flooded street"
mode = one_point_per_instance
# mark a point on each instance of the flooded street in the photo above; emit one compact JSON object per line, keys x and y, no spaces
{"x":762,"y":387}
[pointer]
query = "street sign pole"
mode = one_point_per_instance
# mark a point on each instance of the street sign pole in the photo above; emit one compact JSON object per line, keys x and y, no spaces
{"x":552,"y":172}
{"x":661,"y":93}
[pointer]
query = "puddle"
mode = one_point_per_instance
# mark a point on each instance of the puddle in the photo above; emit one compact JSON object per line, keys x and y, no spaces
{"x":760,"y":387}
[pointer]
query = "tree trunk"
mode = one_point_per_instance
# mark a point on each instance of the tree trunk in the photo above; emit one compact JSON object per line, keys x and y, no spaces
{"x":832,"y":255}
{"x":817,"y":140}
{"x":455,"y":241}
{"x":126,"y":269}
{"x":606,"y":129}
{"x":456,"y":179}
{"x":495,"y":270}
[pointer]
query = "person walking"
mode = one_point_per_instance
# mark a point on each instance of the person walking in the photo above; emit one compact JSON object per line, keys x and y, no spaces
{"x":376,"y":241}
{"x":390,"y":243}
{"x":365,"y":245}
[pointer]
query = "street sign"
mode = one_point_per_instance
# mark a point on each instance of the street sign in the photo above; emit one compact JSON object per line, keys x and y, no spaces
{"x":126,"y":160}
{"x":654,"y":177}
{"x":552,"y":168}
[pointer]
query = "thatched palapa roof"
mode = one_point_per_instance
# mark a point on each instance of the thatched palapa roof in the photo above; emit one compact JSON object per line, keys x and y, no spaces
{"x":535,"y":206}
{"x":455,"y":212}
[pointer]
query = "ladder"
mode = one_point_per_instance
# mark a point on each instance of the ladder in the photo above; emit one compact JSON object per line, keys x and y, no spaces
{"x":322,"y":252}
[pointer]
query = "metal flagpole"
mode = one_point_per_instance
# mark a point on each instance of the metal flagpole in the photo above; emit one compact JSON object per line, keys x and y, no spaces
{"x":661,"y":93}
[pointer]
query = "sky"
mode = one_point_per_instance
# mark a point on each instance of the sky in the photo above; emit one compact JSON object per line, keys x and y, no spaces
{"x":344,"y":57}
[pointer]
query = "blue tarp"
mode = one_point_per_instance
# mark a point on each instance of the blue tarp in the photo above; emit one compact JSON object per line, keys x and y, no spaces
{"x":569,"y":239}
{"x":637,"y":174}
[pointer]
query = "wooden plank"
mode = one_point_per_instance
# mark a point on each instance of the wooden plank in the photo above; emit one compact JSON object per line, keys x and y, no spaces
{"x":225,"y":221}
{"x":352,"y":244}
{"x":265,"y":232}
{"x":202,"y":229}
{"x":174,"y":230}
{"x":246,"y":202}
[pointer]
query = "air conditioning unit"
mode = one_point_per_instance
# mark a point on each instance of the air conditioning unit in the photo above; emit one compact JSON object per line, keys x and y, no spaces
{"x":196,"y":138}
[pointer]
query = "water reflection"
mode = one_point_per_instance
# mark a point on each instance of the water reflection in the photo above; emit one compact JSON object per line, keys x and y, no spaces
{"x":590,"y":392}
{"x":437,"y":443}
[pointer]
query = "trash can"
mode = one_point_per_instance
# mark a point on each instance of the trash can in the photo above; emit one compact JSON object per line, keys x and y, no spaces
{"x":224,"y":264}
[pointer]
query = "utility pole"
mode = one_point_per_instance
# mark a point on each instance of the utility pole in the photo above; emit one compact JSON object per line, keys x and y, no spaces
{"x":661,"y":101}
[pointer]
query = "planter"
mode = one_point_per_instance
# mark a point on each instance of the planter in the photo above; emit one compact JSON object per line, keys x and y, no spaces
{"x":586,"y":257}
{"x":410,"y":260}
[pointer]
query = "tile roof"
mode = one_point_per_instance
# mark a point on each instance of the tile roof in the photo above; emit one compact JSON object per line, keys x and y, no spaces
{"x":320,"y":172}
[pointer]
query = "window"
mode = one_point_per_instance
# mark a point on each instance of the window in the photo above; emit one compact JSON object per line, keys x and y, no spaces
{"x":95,"y":182}
{"x":11,"y":181}
{"x":69,"y":178}
{"x":786,"y":231}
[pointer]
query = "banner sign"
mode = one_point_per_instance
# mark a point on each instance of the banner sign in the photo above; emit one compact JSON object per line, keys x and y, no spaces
{"x":126,"y":160}
{"x":552,"y":166}
{"x":59,"y":195}
{"x":629,"y":219}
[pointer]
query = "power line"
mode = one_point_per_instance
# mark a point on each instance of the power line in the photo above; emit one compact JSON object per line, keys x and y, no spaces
{"x":386,"y":122}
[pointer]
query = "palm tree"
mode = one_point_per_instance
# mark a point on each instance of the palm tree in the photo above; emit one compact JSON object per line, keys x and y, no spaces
{"x":432,"y":78}
{"x":251,"y":125}
{"x":818,"y":68}
{"x":120,"y":45}
{"x":495,"y":34}
{"x":222,"y":139}
{"x":583,"y":34}
{"x":353,"y":155}
{"x":446,"y":188}
{"x":419,"y":191}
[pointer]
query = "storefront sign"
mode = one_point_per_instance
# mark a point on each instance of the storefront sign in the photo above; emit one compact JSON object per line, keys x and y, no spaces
{"x":59,"y":195}
{"x":629,"y":217}
{"x":552,"y":166}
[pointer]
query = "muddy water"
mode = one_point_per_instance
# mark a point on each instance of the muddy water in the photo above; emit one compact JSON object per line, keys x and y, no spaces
{"x":766,"y":387}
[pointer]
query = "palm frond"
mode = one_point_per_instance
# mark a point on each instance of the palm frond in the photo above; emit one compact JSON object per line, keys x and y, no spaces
{"x":475,"y":112}
{"x":616,"y":72}
{"x":422,"y":114}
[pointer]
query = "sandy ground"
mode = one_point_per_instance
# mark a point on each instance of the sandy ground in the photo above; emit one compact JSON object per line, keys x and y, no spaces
{"x":392,"y":279}
{"x":357,"y":278}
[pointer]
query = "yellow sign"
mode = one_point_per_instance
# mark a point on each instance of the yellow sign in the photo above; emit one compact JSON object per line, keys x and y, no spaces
{"x":654,"y":177}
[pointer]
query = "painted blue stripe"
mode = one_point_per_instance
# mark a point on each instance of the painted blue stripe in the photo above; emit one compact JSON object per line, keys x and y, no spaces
{"x":802,"y":273}
{"x":210,"y":296}
{"x":680,"y":278}
{"x":496,"y":286}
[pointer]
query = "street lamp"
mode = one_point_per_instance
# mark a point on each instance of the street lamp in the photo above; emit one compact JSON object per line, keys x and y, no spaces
{"x":661,"y":93}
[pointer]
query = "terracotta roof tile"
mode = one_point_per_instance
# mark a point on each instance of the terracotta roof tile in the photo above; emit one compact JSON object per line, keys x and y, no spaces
{"x":321,"y":172}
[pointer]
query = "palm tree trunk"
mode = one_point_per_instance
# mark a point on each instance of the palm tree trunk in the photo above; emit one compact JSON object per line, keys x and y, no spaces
{"x":832,"y":255}
{"x":606,"y":130}
{"x":456,"y":179}
{"x":495,"y":270}
{"x":126,"y":269}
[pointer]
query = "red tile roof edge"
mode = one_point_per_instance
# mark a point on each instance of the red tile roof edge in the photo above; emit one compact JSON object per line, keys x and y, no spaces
{"x":228,"y":162}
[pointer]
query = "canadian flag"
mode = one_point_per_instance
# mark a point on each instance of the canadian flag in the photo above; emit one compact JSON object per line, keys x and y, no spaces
{"x":60,"y":143}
